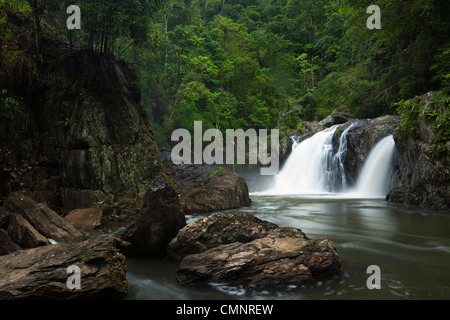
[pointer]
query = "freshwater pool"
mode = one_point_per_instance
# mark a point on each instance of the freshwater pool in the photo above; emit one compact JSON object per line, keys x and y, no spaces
{"x":411,"y":247}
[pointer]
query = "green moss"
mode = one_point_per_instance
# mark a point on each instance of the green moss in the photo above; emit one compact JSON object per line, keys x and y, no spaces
{"x":436,"y":112}
{"x":212,"y":174}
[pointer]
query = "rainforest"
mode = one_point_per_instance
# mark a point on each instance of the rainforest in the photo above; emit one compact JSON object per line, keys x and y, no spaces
{"x":100,"y":200}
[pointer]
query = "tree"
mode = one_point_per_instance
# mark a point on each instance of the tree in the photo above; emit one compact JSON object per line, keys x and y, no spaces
{"x":105,"y":21}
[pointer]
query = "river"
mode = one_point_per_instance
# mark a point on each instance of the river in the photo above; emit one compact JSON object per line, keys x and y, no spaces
{"x":410,"y":246}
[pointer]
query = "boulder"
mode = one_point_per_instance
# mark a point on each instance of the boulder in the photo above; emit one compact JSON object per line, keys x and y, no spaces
{"x":7,"y":245}
{"x":381,"y":127}
{"x":24,"y":234}
{"x":310,"y":128}
{"x":224,"y":191}
{"x":283,"y":257}
{"x":207,"y":188}
{"x":215,"y":230}
{"x":42,"y":273}
{"x":238,"y":248}
{"x":157,"y":223}
{"x":43,"y":219}
{"x":86,"y":219}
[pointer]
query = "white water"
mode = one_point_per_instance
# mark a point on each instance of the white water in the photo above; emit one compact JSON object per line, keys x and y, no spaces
{"x":303,"y":172}
{"x":375,"y":177}
{"x":315,"y":167}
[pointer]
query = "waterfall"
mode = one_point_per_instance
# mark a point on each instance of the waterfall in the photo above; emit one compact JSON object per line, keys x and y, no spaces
{"x":303,"y":172}
{"x":375,"y":177}
{"x":316,"y":166}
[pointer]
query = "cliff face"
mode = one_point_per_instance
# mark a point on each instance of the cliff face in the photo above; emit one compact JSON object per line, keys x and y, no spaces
{"x":424,"y":172}
{"x":88,"y":141}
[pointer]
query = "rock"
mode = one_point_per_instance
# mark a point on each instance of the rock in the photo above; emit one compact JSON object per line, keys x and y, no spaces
{"x":310,"y":128}
{"x":398,"y":195}
{"x":424,"y":173}
{"x":44,"y":220}
{"x":361,"y":139}
{"x":423,"y":178}
{"x":6,"y":244}
{"x":41,"y":273}
{"x":223,"y":191}
{"x":283,"y":257}
{"x":24,"y":234}
{"x":157,"y":223}
{"x":4,"y":217}
{"x":240,"y":249}
{"x":87,"y":138}
{"x":108,"y":143}
{"x":334,"y":119}
{"x":85,"y":219}
{"x":206,"y":188}
{"x":381,"y":127}
{"x":215,"y":230}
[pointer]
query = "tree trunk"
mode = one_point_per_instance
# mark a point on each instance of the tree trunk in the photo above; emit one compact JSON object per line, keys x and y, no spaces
{"x":36,"y":23}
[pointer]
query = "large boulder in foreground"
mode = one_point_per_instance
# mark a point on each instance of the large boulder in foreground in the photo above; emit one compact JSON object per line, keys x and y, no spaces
{"x":279,"y":256}
{"x":215,"y":230}
{"x":158,"y":221}
{"x":41,"y":273}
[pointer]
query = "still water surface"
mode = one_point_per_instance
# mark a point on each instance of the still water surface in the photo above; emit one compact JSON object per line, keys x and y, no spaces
{"x":411,"y":247}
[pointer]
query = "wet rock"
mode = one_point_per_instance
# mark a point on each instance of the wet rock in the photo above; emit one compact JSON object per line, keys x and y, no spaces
{"x":283,"y":257}
{"x":225,"y":190}
{"x":381,"y":127}
{"x":310,"y":128}
{"x":7,"y":245}
{"x":424,"y":173}
{"x":86,"y":219}
{"x":238,"y":248}
{"x":95,"y":138}
{"x":43,"y":219}
{"x":215,"y":230}
{"x":361,"y":139}
{"x":207,"y":188}
{"x":158,"y":221}
{"x":24,"y":234}
{"x":41,"y":273}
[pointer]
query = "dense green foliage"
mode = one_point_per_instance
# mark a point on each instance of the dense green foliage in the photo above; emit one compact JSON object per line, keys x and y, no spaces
{"x":276,"y":63}
{"x":248,"y":63}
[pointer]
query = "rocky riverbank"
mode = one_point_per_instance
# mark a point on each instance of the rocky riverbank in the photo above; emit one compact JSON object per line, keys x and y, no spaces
{"x":240,"y":249}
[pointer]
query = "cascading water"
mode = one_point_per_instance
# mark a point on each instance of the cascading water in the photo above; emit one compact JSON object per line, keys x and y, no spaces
{"x":303,"y":172}
{"x":315,"y":166}
{"x":375,"y":177}
{"x":335,"y":176}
